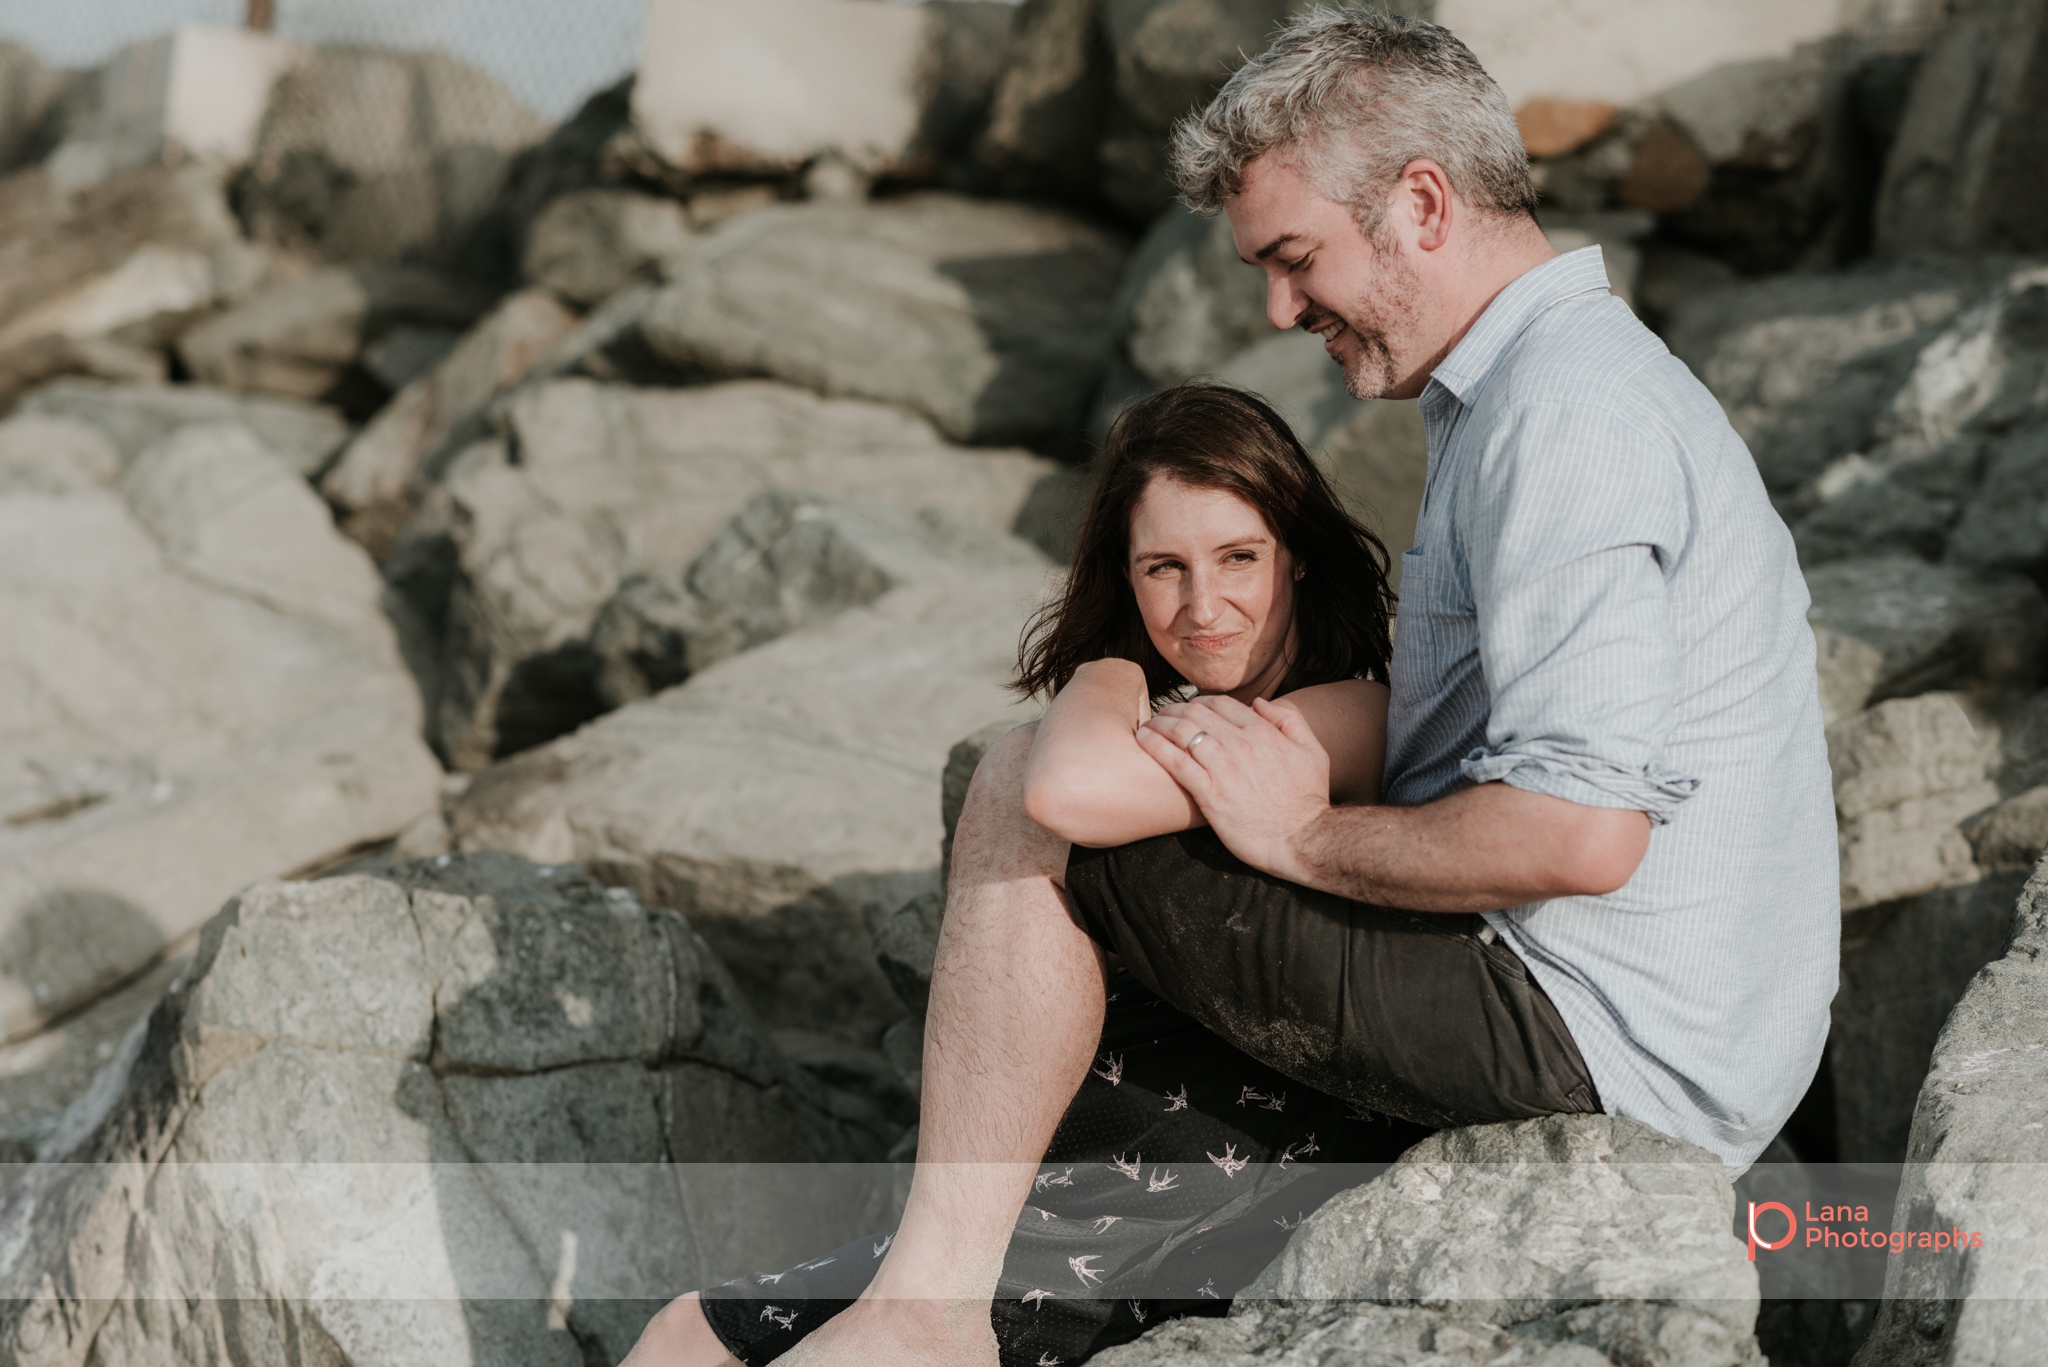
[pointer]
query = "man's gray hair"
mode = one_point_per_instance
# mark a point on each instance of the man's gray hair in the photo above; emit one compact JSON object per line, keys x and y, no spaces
{"x":1355,"y":95}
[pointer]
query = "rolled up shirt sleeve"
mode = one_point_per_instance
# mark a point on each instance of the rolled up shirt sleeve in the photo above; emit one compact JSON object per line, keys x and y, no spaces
{"x":1583,"y":514}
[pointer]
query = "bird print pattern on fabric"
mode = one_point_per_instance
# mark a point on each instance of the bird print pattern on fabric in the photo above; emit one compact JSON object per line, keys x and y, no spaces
{"x":1179,"y":1171}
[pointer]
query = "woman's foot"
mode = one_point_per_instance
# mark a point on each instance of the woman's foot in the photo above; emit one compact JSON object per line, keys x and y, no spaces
{"x":679,"y":1336}
{"x":902,"y":1333}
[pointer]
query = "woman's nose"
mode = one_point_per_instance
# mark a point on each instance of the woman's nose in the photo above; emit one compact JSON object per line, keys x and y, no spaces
{"x":1204,"y":603}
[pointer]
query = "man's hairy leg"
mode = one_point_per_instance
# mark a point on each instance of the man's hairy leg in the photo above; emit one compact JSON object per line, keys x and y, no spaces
{"x":1015,"y":1015}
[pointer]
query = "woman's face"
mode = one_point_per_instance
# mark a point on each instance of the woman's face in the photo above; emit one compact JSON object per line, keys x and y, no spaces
{"x":1215,"y":588}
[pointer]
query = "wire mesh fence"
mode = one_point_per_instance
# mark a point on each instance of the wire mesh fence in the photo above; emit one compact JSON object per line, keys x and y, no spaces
{"x":551,"y":54}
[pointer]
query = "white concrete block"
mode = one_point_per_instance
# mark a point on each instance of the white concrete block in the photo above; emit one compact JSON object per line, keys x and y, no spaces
{"x":764,"y":84}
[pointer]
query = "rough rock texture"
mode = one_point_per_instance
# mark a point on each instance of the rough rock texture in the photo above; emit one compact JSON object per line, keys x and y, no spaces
{"x":2013,"y":834}
{"x":788,"y":798}
{"x":94,"y":281}
{"x":591,"y":244}
{"x":1375,"y":452}
{"x":987,"y":318}
{"x":1907,"y":773}
{"x":202,"y":691}
{"x":1170,"y":56}
{"x":1893,"y":626}
{"x":1905,"y":965}
{"x":1045,"y":124}
{"x":303,"y":435}
{"x":1975,"y":1162}
{"x":31,"y":105}
{"x":784,"y":561}
{"x":1572,"y":1240}
{"x":368,"y":154}
{"x":298,"y":339}
{"x":1188,"y":302}
{"x":380,"y":478}
{"x":519,"y":557}
{"x":1965,"y":170}
{"x":429,"y":1117}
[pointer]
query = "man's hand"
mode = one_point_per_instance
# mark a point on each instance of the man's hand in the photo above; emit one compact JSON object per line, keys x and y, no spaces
{"x":1258,"y":774}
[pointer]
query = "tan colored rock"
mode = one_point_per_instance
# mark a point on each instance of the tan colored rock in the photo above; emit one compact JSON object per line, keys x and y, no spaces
{"x":202,"y":691}
{"x":377,"y":483}
{"x":1907,"y":774}
{"x":136,"y":416}
{"x":297,"y":339}
{"x":1552,"y":127}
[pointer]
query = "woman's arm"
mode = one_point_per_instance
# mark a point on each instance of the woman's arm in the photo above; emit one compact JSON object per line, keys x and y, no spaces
{"x":1089,"y":783}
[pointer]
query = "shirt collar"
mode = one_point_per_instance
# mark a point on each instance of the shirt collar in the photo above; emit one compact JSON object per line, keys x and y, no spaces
{"x":1564,"y":277}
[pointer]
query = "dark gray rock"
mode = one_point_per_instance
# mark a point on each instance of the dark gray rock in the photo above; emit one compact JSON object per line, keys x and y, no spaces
{"x":1975,"y":1162}
{"x":1189,"y":302}
{"x":1965,"y":170}
{"x":2005,"y":525}
{"x":1045,"y":122}
{"x":1892,"y":626}
{"x":455,"y":1093}
{"x":589,"y":245}
{"x":906,"y":945}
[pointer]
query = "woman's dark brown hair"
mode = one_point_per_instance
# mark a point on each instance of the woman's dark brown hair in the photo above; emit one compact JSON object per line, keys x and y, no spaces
{"x":1210,"y":436}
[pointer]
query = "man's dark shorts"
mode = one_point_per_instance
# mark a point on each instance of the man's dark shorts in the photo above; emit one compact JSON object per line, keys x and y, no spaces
{"x":1424,"y":1016}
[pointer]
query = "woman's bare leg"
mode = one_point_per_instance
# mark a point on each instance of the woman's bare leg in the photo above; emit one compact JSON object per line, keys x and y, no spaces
{"x":1016,"y":1012}
{"x":679,"y":1336}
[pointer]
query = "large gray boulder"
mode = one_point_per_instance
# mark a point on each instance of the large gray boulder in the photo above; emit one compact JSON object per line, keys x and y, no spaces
{"x":472,"y":1111}
{"x":2004,"y":526}
{"x":301,"y":337}
{"x":380,"y":478}
{"x":787,"y":798}
{"x":370,"y":154}
{"x":1976,"y":1163}
{"x":1572,"y":1240}
{"x":1893,"y":626}
{"x":518,"y":555}
{"x":990,"y":319}
{"x":785,"y":560}
{"x":1188,"y":301}
{"x":1965,"y":170}
{"x":304,"y":435}
{"x":202,"y":691}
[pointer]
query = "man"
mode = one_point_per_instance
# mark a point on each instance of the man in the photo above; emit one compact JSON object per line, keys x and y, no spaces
{"x":1604,"y":737}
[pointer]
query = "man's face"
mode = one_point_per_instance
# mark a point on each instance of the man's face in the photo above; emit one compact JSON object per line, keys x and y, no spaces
{"x":1325,"y":276}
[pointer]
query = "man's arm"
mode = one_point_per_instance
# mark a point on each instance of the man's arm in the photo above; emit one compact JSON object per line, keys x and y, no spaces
{"x":1483,"y":848}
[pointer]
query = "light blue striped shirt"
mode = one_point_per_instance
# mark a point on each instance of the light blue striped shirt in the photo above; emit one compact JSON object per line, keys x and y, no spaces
{"x":1602,"y":606}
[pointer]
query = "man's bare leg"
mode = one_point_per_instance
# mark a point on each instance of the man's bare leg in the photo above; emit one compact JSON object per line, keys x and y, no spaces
{"x":1016,"y":1013}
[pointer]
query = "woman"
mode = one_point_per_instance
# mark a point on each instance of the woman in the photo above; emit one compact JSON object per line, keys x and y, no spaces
{"x":1213,"y":558}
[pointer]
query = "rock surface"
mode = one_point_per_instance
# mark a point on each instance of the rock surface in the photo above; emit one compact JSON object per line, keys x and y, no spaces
{"x":432,"y":1116}
{"x":811,"y":808}
{"x":369,"y":154}
{"x":613,"y":482}
{"x":298,"y":339}
{"x":135,"y":416}
{"x":380,"y":478}
{"x":987,"y":318}
{"x":1907,"y":774}
{"x":591,"y":244}
{"x":1965,"y":170}
{"x":1045,"y":123}
{"x":203,"y":691}
{"x":1188,"y":302}
{"x":1894,"y":626}
{"x":1578,"y":1240}
{"x":784,"y":561}
{"x":1975,"y":1162}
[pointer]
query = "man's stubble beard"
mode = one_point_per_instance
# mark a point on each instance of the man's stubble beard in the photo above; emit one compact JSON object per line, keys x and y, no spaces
{"x":1393,"y":309}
